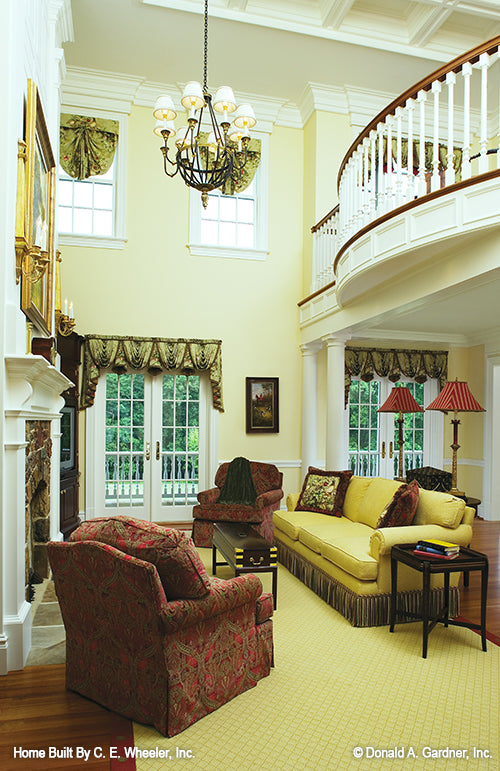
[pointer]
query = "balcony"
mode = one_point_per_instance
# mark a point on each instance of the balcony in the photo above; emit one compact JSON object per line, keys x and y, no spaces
{"x":421,"y":181}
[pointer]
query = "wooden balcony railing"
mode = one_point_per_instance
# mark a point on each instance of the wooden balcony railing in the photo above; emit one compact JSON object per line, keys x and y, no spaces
{"x":442,"y":131}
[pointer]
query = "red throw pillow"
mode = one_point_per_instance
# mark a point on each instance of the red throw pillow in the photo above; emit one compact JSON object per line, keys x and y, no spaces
{"x":401,"y":510}
{"x":324,"y":491}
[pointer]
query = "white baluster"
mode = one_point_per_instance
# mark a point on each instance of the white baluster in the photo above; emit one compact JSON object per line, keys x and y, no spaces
{"x":366,"y":183}
{"x":399,"y":162}
{"x":389,"y":197}
{"x":435,"y":179}
{"x":422,"y":186}
{"x":410,"y":187}
{"x":484,"y":63}
{"x":451,"y":79}
{"x":466,"y":73}
{"x":373,"y":178}
{"x":380,"y":179}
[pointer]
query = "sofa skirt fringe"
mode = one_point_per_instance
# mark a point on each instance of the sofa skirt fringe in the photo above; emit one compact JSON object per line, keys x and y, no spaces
{"x":361,"y":610}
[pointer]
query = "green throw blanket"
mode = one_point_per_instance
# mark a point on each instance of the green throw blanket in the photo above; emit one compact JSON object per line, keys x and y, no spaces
{"x":238,"y":486}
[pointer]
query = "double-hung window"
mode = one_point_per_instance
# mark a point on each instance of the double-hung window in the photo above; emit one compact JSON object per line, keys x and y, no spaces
{"x":234,"y":225}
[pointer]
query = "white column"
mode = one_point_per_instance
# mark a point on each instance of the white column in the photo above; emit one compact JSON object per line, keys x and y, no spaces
{"x":467,"y":73}
{"x":484,"y":63}
{"x":422,"y":187}
{"x":336,"y":444}
{"x":309,"y":405}
{"x":451,"y":79}
{"x":435,"y":179}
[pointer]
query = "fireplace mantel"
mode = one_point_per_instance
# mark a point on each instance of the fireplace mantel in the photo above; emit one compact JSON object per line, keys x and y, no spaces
{"x":34,"y":387}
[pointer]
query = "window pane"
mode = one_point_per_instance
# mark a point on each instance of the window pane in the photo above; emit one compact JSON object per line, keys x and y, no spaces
{"x":103,"y":223}
{"x":227,"y":234}
{"x":245,"y":236}
{"x":83,"y":221}
{"x":227,"y":208}
{"x":65,"y":193}
{"x":212,"y":210}
{"x":209,"y":232}
{"x":245,"y":210}
{"x":103,"y":196}
{"x":83,"y":193}
{"x":65,"y":220}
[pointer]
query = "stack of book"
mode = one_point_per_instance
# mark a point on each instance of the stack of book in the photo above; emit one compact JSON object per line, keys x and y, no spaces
{"x":434,"y":548}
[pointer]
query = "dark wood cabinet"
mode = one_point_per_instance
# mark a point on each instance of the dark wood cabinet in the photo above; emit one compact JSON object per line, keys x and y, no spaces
{"x":69,"y":349}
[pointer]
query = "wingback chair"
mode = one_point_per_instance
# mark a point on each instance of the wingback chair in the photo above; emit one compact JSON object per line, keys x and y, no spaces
{"x":268,"y":481}
{"x":148,"y":633}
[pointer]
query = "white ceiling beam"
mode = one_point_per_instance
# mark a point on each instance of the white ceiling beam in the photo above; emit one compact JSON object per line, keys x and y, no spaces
{"x":333,"y":12}
{"x":424,"y":24}
{"x":237,"y":5}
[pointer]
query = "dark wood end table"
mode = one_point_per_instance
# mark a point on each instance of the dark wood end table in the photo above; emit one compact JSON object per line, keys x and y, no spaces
{"x":428,"y":565}
{"x":245,"y":550}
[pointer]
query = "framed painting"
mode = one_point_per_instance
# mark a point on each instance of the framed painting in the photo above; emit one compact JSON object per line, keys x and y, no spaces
{"x":262,"y":405}
{"x":35,"y":245}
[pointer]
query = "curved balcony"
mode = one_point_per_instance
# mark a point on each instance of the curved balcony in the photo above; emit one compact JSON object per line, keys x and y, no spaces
{"x":424,"y":171}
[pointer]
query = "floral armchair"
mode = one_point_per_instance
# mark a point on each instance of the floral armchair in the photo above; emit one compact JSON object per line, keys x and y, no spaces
{"x":148,"y":633}
{"x":268,"y":481}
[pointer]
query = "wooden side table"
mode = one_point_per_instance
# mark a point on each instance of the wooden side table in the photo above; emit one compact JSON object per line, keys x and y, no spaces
{"x":428,"y":565}
{"x":246,"y":551}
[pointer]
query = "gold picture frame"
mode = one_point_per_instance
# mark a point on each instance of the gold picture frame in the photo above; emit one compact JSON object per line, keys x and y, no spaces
{"x":35,"y":216}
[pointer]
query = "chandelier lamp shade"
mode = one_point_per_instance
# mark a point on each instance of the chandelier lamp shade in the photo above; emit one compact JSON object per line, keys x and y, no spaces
{"x":400,"y":401}
{"x":455,"y":397}
{"x":206,"y":156}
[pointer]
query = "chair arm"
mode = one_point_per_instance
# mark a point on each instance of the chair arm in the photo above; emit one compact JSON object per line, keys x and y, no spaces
{"x":268,"y":498}
{"x":291,"y":501}
{"x":209,"y":496}
{"x":223,"y":597}
{"x":383,"y":539}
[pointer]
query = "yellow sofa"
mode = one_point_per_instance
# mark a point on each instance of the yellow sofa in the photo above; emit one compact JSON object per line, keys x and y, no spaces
{"x":347,"y":560}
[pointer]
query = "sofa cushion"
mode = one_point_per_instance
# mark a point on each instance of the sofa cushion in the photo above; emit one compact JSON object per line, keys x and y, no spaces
{"x":324,"y":491}
{"x":402,"y":508}
{"x":436,"y":508}
{"x":352,"y":555}
{"x":377,"y":497}
{"x":173,"y":553}
{"x":354,"y":495}
{"x":314,"y":534}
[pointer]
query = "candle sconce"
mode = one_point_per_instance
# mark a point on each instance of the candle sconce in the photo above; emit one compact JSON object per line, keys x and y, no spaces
{"x":64,"y":324}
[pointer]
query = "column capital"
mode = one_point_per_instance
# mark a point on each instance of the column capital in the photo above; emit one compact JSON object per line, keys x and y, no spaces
{"x":311,"y":349}
{"x":333,"y":340}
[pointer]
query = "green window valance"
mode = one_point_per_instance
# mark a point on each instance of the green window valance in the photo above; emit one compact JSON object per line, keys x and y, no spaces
{"x":153,"y":354}
{"x":392,"y":364}
{"x":428,"y":156}
{"x":87,"y":145}
{"x":241,"y":178}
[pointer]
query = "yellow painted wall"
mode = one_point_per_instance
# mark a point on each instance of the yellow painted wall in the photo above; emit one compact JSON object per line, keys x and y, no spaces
{"x":154,"y":287}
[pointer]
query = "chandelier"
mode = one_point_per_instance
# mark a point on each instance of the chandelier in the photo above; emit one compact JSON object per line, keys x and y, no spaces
{"x":205,"y":159}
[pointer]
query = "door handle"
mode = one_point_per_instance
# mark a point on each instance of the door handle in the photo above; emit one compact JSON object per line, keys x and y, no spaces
{"x":148,"y":450}
{"x":157,"y":451}
{"x":390,"y":450}
{"x":383,"y":450}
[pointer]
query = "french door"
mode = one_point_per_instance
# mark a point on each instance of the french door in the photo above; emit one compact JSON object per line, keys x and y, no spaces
{"x":150,"y":445}
{"x":373,"y":435}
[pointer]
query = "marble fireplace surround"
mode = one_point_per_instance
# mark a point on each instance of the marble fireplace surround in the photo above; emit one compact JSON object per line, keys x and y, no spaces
{"x":33,"y":402}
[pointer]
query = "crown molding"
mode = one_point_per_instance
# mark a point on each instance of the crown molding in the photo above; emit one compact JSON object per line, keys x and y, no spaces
{"x":96,"y":89}
{"x":317,"y":96}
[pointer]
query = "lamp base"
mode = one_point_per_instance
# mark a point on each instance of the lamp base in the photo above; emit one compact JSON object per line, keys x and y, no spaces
{"x":457,"y":493}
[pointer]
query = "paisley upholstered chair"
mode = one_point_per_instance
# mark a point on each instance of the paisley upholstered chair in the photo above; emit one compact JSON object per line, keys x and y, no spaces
{"x":148,"y":633}
{"x":267,"y":481}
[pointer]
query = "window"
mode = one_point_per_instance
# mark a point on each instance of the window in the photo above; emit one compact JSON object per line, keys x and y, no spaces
{"x":91,"y":212}
{"x":233,"y":225}
{"x":86,"y":207}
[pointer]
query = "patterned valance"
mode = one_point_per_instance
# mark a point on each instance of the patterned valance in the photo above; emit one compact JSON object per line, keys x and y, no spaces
{"x":87,"y":145}
{"x":240,"y":178}
{"x":153,"y":354}
{"x":391,"y":363}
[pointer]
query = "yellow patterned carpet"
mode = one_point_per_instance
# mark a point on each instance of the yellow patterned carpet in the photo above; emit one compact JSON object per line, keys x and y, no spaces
{"x":347,"y":698}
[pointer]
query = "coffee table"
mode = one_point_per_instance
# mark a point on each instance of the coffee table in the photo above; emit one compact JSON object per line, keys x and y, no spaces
{"x":428,"y":565}
{"x":245,"y":550}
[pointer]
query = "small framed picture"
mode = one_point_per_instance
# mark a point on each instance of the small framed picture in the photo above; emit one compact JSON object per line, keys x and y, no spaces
{"x":262,"y":405}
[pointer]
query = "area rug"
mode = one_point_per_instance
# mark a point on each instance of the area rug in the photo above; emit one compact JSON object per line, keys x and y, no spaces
{"x":347,"y":698}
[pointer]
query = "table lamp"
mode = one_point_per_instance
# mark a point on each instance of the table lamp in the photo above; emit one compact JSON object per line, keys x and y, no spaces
{"x":400,"y":400}
{"x":456,"y":397}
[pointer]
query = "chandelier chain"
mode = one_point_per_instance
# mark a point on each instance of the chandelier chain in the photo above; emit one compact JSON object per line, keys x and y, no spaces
{"x":205,"y":49}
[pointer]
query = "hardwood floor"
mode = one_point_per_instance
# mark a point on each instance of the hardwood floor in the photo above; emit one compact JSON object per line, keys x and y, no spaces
{"x":36,"y":711}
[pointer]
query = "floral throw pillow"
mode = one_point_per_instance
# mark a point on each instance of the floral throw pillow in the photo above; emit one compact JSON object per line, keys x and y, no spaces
{"x":401,"y":510}
{"x":324,"y":491}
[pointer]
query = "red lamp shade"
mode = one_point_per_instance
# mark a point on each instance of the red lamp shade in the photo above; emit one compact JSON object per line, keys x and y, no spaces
{"x":400,"y":400}
{"x":456,"y":397}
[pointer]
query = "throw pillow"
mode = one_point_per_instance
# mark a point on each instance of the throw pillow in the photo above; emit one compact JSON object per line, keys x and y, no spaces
{"x":173,"y":553}
{"x":401,"y":510}
{"x":324,"y":491}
